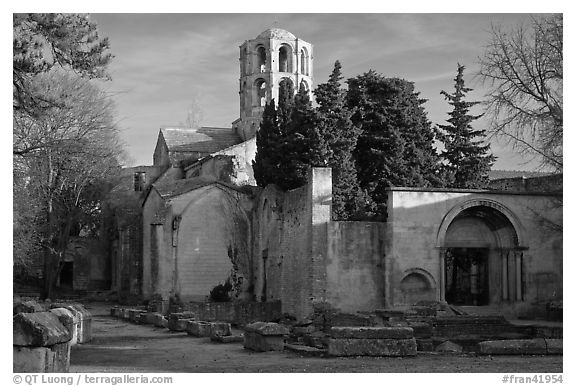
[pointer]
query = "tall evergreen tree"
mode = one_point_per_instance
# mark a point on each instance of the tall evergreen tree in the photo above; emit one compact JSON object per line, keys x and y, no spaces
{"x":272,"y":162}
{"x":338,"y":140}
{"x":267,"y":142}
{"x":395,"y":147}
{"x":468,"y":158}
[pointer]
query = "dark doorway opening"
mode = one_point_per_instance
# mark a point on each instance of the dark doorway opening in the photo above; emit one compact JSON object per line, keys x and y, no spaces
{"x":67,"y":274}
{"x":466,"y":273}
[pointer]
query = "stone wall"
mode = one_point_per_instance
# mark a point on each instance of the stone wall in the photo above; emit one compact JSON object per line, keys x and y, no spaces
{"x":355,"y":265}
{"x":418,"y":221}
{"x":550,"y":183}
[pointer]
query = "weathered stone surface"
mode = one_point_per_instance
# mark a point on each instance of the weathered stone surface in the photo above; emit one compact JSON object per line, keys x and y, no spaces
{"x":421,"y":329}
{"x":316,"y":339}
{"x":27,"y":306}
{"x":53,"y":359}
{"x":220,"y":329}
{"x":84,"y":320}
{"x":305,"y":350}
{"x":159,"y":320}
{"x":554,"y":346}
{"x":387,"y":314}
{"x":341,"y":319}
{"x":258,"y":342}
{"x":372,"y":347}
{"x":300,"y":331}
{"x":266,"y":328}
{"x":227,"y":338}
{"x":513,"y":347}
{"x":449,"y":347}
{"x":39,"y":329}
{"x":198,"y":328}
{"x":425,"y":344}
{"x":69,"y":320}
{"x":372,"y":332}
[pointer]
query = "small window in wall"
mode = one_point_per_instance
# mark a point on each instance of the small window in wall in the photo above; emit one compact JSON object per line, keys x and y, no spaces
{"x":139,"y":181}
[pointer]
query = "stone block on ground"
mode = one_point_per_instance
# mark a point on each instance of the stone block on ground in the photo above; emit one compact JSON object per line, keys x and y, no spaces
{"x":115,"y":311}
{"x":371,"y":347}
{"x":258,"y":342}
{"x":372,"y":332}
{"x":227,"y":338}
{"x":553,"y":346}
{"x":177,"y":320}
{"x":69,"y":320}
{"x":39,"y":329}
{"x":51,"y":359}
{"x":84,"y":320}
{"x":267,"y":328}
{"x":198,"y":328}
{"x":513,"y":347}
{"x":159,"y":320}
{"x":220,"y":329}
{"x":449,"y":347}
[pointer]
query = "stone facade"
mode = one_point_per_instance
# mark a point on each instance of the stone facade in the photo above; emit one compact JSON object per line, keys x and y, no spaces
{"x":198,"y":221}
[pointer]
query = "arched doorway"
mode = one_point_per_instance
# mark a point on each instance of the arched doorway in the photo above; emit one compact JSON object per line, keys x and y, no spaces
{"x":481,"y":257}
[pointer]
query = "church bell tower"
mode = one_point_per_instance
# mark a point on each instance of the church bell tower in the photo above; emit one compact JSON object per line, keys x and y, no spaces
{"x":274,"y":56}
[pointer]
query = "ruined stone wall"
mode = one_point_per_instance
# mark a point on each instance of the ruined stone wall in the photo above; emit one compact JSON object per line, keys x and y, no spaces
{"x":153,"y":214}
{"x":551,"y":183}
{"x":418,"y":218}
{"x":282,"y":250}
{"x":355,"y":265}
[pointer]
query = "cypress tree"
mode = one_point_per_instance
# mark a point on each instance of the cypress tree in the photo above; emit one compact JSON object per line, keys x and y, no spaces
{"x":267,"y":142}
{"x":339,"y":137}
{"x":468,"y":160}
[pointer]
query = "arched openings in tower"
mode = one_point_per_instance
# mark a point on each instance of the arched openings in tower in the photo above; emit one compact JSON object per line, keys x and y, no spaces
{"x":304,"y":69}
{"x":285,"y":58}
{"x":260,"y":59}
{"x":260,"y":93}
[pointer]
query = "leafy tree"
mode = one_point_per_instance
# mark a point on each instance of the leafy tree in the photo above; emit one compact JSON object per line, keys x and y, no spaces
{"x":67,"y":180}
{"x":43,"y":41}
{"x":395,"y":147}
{"x":524,"y":69}
{"x":468,"y":158}
{"x":338,"y":139}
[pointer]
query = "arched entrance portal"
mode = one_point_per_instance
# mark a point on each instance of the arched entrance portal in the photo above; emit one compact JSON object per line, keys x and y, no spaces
{"x":481,"y":258}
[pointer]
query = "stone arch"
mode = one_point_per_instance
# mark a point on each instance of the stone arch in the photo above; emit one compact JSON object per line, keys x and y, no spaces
{"x":481,"y":244}
{"x":285,"y":58}
{"x":260,"y":59}
{"x":306,"y":86}
{"x":486,"y":203}
{"x":417,"y":284}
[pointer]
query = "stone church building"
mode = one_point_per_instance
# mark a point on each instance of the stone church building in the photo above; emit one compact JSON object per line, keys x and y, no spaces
{"x":195,"y":219}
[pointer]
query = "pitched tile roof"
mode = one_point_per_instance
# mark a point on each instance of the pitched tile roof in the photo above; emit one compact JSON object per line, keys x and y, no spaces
{"x":169,"y":189}
{"x":202,"y":139}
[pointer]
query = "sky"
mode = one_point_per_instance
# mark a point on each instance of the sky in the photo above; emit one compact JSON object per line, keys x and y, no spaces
{"x":165,"y":63}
